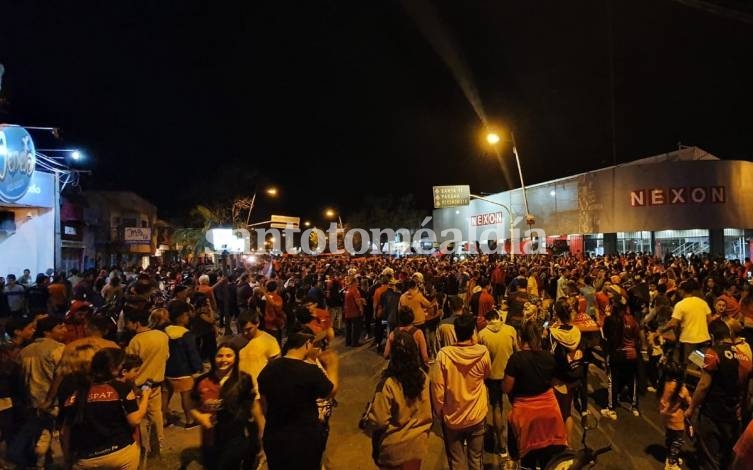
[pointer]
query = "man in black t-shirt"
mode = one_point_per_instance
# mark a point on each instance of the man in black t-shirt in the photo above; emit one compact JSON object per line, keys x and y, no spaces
{"x":289,"y":387}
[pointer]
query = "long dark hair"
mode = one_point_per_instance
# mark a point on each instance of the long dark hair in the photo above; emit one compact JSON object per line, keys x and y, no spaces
{"x":672,"y":372}
{"x":237,"y":393}
{"x":404,"y":366}
{"x":104,"y":362}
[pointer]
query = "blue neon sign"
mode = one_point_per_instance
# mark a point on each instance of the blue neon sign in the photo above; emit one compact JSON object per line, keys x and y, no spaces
{"x":17,"y":161}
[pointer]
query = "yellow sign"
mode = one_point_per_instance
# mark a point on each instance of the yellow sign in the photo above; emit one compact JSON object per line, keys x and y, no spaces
{"x":451,"y":196}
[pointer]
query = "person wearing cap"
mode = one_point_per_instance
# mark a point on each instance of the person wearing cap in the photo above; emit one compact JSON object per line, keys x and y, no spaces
{"x":691,"y":316}
{"x":76,"y":320}
{"x":420,"y":305}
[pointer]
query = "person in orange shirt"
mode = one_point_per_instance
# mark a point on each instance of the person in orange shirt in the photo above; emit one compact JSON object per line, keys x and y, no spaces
{"x":674,"y":399}
{"x":58,"y":295}
{"x":274,"y":316}
{"x":206,"y":289}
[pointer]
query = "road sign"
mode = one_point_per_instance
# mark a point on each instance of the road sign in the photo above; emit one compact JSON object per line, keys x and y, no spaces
{"x":451,"y":196}
{"x":282,"y":226}
{"x":282,"y":221}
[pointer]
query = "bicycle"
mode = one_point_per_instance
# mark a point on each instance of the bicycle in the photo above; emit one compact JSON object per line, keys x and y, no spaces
{"x":578,"y":459}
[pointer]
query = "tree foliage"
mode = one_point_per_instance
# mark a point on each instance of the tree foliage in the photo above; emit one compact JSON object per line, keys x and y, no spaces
{"x":388,"y":212}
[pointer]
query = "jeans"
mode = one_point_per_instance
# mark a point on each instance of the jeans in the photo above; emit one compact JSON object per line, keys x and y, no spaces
{"x":622,"y":374}
{"x":465,"y":447}
{"x":352,"y":331}
{"x":673,"y":441}
{"x":715,"y":441}
{"x":153,"y":419}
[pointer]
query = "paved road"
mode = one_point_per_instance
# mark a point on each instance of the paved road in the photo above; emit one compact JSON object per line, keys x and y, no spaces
{"x":637,"y":441}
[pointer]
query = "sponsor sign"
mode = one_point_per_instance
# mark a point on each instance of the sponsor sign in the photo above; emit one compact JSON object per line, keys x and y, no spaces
{"x":451,"y":196}
{"x":491,"y":218}
{"x":137,"y":235}
{"x":17,"y":161}
{"x":671,"y":196}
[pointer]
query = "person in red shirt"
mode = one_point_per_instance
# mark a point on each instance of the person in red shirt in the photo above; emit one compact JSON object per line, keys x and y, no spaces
{"x":353,"y":313}
{"x":719,"y":397}
{"x":274,"y":316}
{"x":744,"y":450}
{"x":485,"y":304}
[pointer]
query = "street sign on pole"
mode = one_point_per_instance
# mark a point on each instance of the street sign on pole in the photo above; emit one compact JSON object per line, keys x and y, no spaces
{"x":282,"y":221}
{"x":451,"y":196}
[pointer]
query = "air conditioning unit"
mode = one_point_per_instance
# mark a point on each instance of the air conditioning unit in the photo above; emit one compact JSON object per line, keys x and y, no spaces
{"x":7,"y":222}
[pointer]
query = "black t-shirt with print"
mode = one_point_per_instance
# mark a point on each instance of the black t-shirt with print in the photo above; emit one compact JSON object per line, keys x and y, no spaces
{"x":290,"y":388}
{"x":104,"y":427}
{"x":533,"y":372}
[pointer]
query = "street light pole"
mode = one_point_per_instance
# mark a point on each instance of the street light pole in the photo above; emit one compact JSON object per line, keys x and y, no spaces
{"x":520,"y":173}
{"x":509,"y":214}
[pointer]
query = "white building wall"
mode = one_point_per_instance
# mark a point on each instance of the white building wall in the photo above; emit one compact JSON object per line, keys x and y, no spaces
{"x":32,"y":246}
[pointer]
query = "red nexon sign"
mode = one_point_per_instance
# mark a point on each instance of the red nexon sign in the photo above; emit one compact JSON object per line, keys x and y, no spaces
{"x":669,"y":196}
{"x":487,"y":219}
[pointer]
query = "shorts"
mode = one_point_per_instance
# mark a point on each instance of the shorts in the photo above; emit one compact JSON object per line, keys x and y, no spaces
{"x":181,"y":384}
{"x":494,"y":387}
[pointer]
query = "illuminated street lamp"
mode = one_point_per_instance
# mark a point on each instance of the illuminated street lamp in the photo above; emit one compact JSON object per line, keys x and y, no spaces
{"x":272,"y":191}
{"x":307,"y":224}
{"x":330,"y":213}
{"x":493,"y":139}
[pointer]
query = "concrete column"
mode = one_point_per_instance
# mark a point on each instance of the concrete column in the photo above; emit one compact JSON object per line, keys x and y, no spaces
{"x":610,"y":243}
{"x":653,"y":243}
{"x":716,"y":242}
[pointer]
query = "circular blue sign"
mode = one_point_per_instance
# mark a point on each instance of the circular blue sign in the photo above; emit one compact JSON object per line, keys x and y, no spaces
{"x":17,"y":161}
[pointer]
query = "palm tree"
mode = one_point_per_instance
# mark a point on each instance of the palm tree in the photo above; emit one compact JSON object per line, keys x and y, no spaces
{"x":192,"y":241}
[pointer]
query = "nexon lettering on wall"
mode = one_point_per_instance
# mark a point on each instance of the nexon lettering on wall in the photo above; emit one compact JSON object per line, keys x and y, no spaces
{"x":674,"y":196}
{"x":491,"y":218}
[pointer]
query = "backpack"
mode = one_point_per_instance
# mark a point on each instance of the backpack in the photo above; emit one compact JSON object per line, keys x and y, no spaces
{"x":573,"y":368}
{"x":390,"y":301}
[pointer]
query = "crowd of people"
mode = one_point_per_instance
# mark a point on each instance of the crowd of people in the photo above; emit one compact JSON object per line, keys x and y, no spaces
{"x":95,"y":358}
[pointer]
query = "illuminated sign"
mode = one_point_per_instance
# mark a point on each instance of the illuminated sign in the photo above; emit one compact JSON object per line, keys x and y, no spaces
{"x":282,"y":221}
{"x":451,"y":196}
{"x":137,"y":235}
{"x":491,"y":218}
{"x":673,"y":196}
{"x":17,"y":161}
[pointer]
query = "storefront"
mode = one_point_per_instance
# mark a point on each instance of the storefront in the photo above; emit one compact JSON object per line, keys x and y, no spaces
{"x":678,"y":203}
{"x":27,"y":206}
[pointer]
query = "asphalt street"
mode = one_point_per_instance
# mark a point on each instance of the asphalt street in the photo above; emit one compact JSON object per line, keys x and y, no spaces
{"x":638,"y":442}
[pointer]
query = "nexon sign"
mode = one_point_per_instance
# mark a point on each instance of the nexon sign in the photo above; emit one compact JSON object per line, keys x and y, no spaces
{"x":692,"y":195}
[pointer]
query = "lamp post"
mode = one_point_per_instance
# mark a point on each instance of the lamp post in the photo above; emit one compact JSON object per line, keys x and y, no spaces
{"x":271,"y":191}
{"x":53,"y":164}
{"x":509,"y":214}
{"x":493,"y":139}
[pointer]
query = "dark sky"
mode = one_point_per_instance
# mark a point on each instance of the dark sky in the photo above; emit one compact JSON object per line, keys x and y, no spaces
{"x":333,"y":100}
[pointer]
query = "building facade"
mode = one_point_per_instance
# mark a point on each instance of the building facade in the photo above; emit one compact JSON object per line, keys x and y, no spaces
{"x":121,"y":227}
{"x":679,"y":203}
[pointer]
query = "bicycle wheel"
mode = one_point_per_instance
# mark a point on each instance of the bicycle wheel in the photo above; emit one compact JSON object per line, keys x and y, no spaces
{"x":563,"y":461}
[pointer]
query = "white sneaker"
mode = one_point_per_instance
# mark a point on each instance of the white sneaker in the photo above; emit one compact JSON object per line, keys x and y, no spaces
{"x":672,"y":466}
{"x":611,"y":414}
{"x":635,"y":412}
{"x":651,"y":389}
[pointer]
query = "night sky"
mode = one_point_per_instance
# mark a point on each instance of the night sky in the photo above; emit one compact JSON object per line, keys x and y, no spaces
{"x":187,"y":101}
